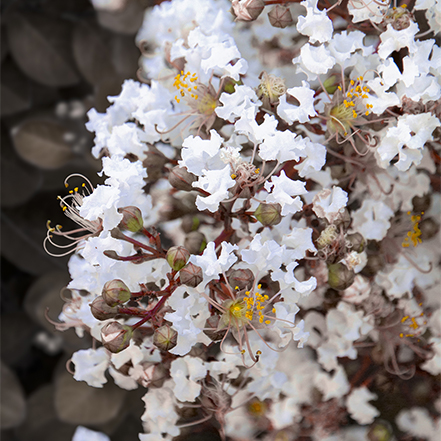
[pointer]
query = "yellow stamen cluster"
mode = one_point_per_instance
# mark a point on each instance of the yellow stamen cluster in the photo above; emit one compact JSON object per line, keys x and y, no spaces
{"x":356,"y":90}
{"x":256,"y":302}
{"x":270,"y":87}
{"x":413,"y":325}
{"x":414,"y":234}
{"x":184,"y":85}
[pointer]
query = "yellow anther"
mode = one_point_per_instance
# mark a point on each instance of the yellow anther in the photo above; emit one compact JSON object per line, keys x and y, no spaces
{"x":236,"y":287}
{"x":259,"y":353}
{"x":404,"y":318}
{"x":352,"y":82}
{"x":339,"y":87}
{"x":274,"y":310}
{"x":83,"y":184}
{"x":70,"y":191}
{"x":242,"y":351}
{"x":401,"y":335}
{"x":66,"y":185}
{"x":366,"y":113}
{"x":64,"y":208}
{"x":267,"y":322}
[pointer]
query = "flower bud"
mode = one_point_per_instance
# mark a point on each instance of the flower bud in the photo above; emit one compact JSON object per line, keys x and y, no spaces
{"x":177,"y":257}
{"x":357,"y":241}
{"x":101,"y":310}
{"x":380,"y":431}
{"x":242,"y":278}
{"x":115,"y":292}
{"x":132,"y":219}
{"x":181,"y":179}
{"x":154,"y":163}
{"x":375,"y":263}
{"x":195,"y":242}
{"x":211,"y":328}
{"x":280,"y":17}
{"x":247,"y":10}
{"x":340,"y":277}
{"x":190,"y":223}
{"x":330,"y":84}
{"x":116,"y":337}
{"x":268,"y":214}
{"x":191,"y":275}
{"x":429,"y":228}
{"x":165,"y":338}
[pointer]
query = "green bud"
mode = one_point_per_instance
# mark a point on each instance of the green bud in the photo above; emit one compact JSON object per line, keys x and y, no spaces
{"x":195,"y":242}
{"x":177,"y":257}
{"x":330,"y":84}
{"x":132,"y":219}
{"x":165,"y":338}
{"x":115,"y":292}
{"x":268,"y":214}
{"x":190,"y":223}
{"x":191,"y":275}
{"x":101,"y":310}
{"x":357,"y":241}
{"x":340,"y":277}
{"x":181,"y":179}
{"x":116,"y":337}
{"x":380,"y":431}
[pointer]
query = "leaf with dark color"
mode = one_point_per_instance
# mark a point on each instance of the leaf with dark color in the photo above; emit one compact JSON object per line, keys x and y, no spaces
{"x":19,"y":180}
{"x":41,"y":47}
{"x":13,"y":403}
{"x":78,"y":403}
{"x":92,"y":52}
{"x":125,"y":21}
{"x":41,"y":143}
{"x":41,"y":421}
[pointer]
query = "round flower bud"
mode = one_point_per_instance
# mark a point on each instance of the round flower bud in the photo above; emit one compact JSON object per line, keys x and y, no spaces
{"x":242,"y":278}
{"x":115,"y":292}
{"x":330,"y":84}
{"x":213,"y":323}
{"x":280,"y":17}
{"x":132,"y":219}
{"x":268,"y":214}
{"x":177,"y":257}
{"x":154,"y":163}
{"x":247,"y":10}
{"x":181,"y":179}
{"x":357,"y":241}
{"x":116,"y":337}
{"x":429,"y":228}
{"x":191,"y":275}
{"x":190,"y":223}
{"x":340,"y":277}
{"x":165,"y":338}
{"x":101,"y":310}
{"x":380,"y":431}
{"x":195,"y":242}
{"x":375,"y":263}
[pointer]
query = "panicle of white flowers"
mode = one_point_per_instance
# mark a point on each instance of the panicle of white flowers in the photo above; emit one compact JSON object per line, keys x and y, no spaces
{"x":290,"y":222}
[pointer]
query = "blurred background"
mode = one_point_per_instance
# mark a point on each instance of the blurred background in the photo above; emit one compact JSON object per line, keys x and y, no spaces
{"x":58,"y":60}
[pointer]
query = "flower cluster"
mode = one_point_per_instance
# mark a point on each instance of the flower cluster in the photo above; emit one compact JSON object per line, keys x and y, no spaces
{"x":249,"y":253}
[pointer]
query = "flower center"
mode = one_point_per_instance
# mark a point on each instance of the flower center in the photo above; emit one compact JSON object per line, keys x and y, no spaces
{"x":184,"y":85}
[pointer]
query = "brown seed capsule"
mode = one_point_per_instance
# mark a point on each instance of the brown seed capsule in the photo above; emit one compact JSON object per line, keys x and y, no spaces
{"x":191,"y":275}
{"x":115,"y":292}
{"x":195,"y":242}
{"x":165,"y":338}
{"x":340,"y":277}
{"x":268,"y":214}
{"x":242,"y":278}
{"x":357,"y":241}
{"x":132,"y":219}
{"x":116,"y":337}
{"x":101,"y":310}
{"x":177,"y":257}
{"x":280,"y":17}
{"x":247,"y":10}
{"x":181,"y":179}
{"x":211,"y":328}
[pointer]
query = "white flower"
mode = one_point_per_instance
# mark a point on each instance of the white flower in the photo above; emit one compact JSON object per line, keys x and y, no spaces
{"x":234,"y":104}
{"x":282,"y":191}
{"x":332,"y":386}
{"x":91,"y":365}
{"x":418,"y":422}
{"x":358,"y":406}
{"x":314,"y":60}
{"x":301,"y":113}
{"x":362,"y":10}
{"x":83,"y":433}
{"x":330,"y":203}
{"x":185,"y":373}
{"x":393,"y":40}
{"x":407,"y":140}
{"x":371,"y":220}
{"x":317,"y":25}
